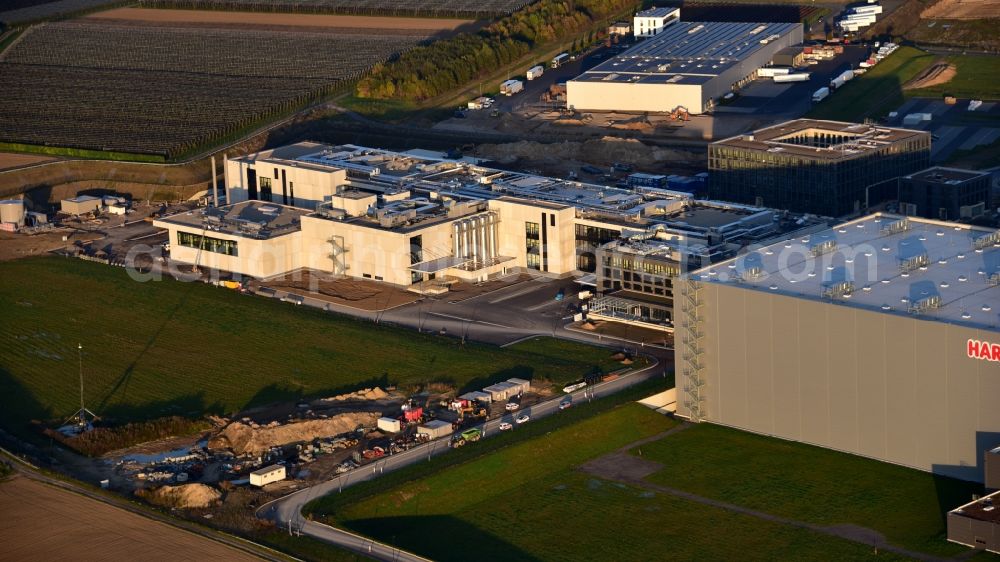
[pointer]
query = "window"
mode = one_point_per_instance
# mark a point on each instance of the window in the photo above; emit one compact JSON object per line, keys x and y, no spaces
{"x":265,"y":189}
{"x":207,"y":243}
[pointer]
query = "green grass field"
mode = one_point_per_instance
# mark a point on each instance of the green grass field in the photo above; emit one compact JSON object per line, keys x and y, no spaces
{"x":528,"y":502}
{"x":170,"y":348}
{"x":877,"y":92}
{"x":977,"y":77}
{"x":811,"y":484}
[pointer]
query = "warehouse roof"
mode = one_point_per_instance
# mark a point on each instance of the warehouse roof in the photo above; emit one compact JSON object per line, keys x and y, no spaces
{"x":819,"y":139}
{"x":935,"y":270}
{"x":688,"y":53}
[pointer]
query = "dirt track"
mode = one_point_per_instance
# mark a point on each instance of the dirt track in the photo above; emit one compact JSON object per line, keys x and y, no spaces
{"x":284,"y":20}
{"x":13,"y":160}
{"x":963,"y":10}
{"x":940,"y":73}
{"x":44,"y":523}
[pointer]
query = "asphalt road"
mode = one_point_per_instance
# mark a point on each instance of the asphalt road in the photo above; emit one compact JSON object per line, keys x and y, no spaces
{"x":286,"y":512}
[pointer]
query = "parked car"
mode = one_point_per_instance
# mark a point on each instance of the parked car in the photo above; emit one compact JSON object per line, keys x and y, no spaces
{"x":565,"y":404}
{"x":506,"y":426}
{"x":511,"y":406}
{"x":523,"y":418}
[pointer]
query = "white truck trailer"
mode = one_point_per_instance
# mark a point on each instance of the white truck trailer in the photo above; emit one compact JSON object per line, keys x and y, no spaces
{"x":511,"y":87}
{"x":795,"y":77}
{"x":535,"y":72}
{"x":772,"y":71}
{"x":821,"y":94}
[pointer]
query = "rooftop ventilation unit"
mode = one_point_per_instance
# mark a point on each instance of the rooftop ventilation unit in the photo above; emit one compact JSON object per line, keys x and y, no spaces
{"x":994,"y":279}
{"x":753,"y":273}
{"x":838,"y":290}
{"x":824,"y":247}
{"x":927,"y":303}
{"x":902,"y":225}
{"x":910,"y":264}
{"x":986,"y":241}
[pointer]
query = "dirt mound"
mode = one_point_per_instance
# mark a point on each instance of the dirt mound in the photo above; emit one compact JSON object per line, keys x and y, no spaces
{"x":241,"y":438}
{"x":363,"y":394}
{"x":939,"y":73}
{"x":963,"y":9}
{"x":187,"y":496}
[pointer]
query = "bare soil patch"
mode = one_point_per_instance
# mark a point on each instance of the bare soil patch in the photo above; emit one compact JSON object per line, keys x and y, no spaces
{"x":10,"y":160}
{"x":963,"y":10}
{"x":366,"y":295}
{"x":314,"y":21}
{"x":14,"y":246}
{"x":185,"y":496}
{"x":241,"y":438}
{"x":620,"y":466}
{"x":937,"y":74}
{"x":45,"y":523}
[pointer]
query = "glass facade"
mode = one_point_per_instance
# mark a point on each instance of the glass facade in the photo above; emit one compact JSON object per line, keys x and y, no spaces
{"x":588,"y":240}
{"x":829,"y":186}
{"x":207,"y":243}
{"x":532,"y":244}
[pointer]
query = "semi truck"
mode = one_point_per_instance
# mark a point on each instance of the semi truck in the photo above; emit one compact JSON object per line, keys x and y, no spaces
{"x":821,"y":94}
{"x":559,"y":60}
{"x":535,"y":72}
{"x":842,"y":79}
{"x":511,"y":87}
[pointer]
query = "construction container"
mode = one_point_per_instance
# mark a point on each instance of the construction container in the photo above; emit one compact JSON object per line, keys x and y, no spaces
{"x":521,"y":384}
{"x":80,"y":205}
{"x":435,"y":429}
{"x":391,"y":425}
{"x":267,"y":475}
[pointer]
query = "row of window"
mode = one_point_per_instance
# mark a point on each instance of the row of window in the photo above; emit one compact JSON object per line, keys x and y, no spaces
{"x":207,"y":243}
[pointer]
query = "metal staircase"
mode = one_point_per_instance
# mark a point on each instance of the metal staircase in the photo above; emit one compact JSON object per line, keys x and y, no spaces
{"x":692,"y":349}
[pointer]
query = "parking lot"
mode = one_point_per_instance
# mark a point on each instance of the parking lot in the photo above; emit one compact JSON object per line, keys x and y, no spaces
{"x":953,"y":127}
{"x":789,"y":101}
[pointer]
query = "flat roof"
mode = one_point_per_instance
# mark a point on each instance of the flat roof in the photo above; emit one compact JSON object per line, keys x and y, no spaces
{"x":705,"y":216}
{"x":812,"y":138}
{"x":932,"y":270}
{"x":250,"y":219}
{"x":268,"y":469}
{"x":83,"y":199}
{"x":688,"y":53}
{"x":947,"y":176}
{"x":655,"y":12}
{"x":986,"y":508}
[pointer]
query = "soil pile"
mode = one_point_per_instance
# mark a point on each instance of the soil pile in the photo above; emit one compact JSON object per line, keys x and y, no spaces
{"x":363,"y":394}
{"x":186,"y":496}
{"x":241,"y":438}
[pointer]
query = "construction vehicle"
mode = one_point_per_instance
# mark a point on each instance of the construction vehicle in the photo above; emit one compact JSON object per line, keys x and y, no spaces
{"x":680,"y":113}
{"x":467,"y":436}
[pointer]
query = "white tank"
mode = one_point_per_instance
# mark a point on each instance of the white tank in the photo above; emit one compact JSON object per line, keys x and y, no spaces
{"x":12,"y":211}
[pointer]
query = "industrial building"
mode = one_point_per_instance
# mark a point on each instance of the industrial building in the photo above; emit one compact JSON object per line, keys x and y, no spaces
{"x":879,"y":337}
{"x":828,"y":168}
{"x":421,"y":221}
{"x":635,"y":275}
{"x":977,"y":524}
{"x":945,"y":193}
{"x":688,"y":64}
{"x":648,"y":23}
{"x":81,"y":205}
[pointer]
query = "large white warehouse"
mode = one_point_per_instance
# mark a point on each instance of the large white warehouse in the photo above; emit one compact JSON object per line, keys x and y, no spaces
{"x":687,"y":64}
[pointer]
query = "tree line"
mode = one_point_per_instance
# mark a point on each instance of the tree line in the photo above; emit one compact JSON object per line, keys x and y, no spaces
{"x":442,"y":66}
